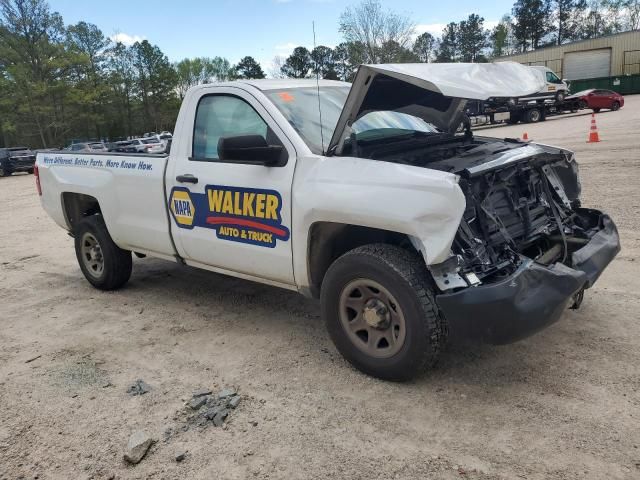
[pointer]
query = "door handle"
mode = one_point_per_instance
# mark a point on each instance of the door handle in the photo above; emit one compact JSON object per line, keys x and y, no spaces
{"x":187,"y":178}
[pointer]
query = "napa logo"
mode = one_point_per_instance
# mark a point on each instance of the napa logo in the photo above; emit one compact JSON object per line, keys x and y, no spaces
{"x":246,"y":215}
{"x":182,"y":208}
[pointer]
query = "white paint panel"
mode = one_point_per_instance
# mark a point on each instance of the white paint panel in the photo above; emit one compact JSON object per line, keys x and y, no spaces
{"x":587,"y":64}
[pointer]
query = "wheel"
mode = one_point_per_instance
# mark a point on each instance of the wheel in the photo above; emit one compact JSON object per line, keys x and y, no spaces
{"x":533,"y":115}
{"x":560,"y":96}
{"x":582,"y":104}
{"x":380,"y":311}
{"x":615,"y":106}
{"x":596,"y":110}
{"x":105,"y":265}
{"x":4,"y":172}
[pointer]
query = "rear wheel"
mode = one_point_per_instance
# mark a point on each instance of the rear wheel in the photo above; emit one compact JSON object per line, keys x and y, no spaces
{"x":105,"y":265}
{"x":4,"y":172}
{"x":615,"y":106}
{"x":533,"y":115}
{"x":380,"y":311}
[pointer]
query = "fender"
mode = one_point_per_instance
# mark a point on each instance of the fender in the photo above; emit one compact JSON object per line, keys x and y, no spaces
{"x":427,"y":205}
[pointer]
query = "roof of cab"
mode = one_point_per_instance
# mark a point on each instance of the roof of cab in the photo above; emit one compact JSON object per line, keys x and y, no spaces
{"x":278,"y":83}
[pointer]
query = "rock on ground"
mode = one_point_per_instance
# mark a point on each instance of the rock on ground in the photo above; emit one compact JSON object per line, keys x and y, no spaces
{"x":139,"y":444}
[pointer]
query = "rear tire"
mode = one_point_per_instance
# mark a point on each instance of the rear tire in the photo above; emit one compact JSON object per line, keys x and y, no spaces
{"x":4,"y":172}
{"x":380,"y":311}
{"x":533,"y":115}
{"x":105,"y":265}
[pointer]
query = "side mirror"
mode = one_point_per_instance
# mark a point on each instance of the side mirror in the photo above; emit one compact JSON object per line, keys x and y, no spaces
{"x":251,"y":149}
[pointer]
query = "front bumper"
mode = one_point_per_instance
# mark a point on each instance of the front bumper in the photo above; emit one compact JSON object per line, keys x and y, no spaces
{"x":530,"y":299}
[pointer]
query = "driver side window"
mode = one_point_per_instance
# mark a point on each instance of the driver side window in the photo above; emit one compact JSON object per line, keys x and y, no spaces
{"x":220,"y":116}
{"x":552,"y":78}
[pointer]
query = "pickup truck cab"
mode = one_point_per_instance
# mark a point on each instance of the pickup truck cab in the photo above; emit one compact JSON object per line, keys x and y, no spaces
{"x":366,"y":196}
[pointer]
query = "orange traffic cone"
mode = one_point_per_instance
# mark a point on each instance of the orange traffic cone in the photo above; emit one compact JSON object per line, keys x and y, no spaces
{"x":593,"y":133}
{"x":525,"y":137}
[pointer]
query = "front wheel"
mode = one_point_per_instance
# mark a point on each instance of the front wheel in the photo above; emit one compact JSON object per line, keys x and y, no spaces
{"x":380,"y":311}
{"x":615,"y":106}
{"x":105,"y":265}
{"x":4,"y":172}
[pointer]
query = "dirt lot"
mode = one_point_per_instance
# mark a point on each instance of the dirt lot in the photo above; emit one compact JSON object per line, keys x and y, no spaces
{"x":564,"y":404}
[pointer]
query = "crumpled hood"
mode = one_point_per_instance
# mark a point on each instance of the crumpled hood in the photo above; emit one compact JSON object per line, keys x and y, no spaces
{"x":435,"y":92}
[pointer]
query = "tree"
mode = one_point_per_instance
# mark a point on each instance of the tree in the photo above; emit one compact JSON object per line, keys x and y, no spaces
{"x":298,"y":64}
{"x":248,"y":68}
{"x":87,"y":42}
{"x":472,"y":39}
{"x":501,"y":38}
{"x":34,"y":58}
{"x":424,"y":47}
{"x":567,"y":14}
{"x":155,"y":84}
{"x":323,"y":62}
{"x":346,"y":58}
{"x":532,"y":22}
{"x":448,"y":48}
{"x":199,"y":70}
{"x":368,"y":25}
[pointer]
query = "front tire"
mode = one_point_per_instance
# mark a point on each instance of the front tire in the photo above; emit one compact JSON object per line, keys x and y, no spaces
{"x":615,"y":106}
{"x":105,"y":265}
{"x":4,"y":172}
{"x":380,"y":312}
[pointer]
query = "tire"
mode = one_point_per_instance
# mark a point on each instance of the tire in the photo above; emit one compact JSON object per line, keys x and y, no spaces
{"x":560,"y":96}
{"x":582,"y":104}
{"x":106,"y":267}
{"x":4,"y":172}
{"x":414,"y":333}
{"x":615,"y":106}
{"x":533,"y":115}
{"x":596,"y":110}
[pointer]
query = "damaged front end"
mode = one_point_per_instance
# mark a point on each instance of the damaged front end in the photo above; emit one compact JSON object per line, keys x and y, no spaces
{"x":525,"y":249}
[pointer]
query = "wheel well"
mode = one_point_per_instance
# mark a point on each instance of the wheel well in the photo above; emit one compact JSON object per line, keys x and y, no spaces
{"x":76,"y":206}
{"x":328,"y":241}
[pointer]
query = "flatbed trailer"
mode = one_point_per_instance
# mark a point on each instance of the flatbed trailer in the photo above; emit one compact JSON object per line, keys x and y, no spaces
{"x":482,"y":113}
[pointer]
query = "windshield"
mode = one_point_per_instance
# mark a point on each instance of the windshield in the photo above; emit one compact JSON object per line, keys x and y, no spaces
{"x":300,"y":108}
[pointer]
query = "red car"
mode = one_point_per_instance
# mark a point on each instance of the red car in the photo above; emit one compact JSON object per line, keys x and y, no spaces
{"x":597,"y":99}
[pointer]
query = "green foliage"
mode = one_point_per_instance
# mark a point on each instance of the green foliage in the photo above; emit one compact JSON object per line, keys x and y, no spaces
{"x":424,"y":47}
{"x":298,"y":64}
{"x":248,"y":68}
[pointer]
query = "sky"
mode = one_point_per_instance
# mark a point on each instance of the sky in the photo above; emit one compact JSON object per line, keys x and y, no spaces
{"x":260,"y":28}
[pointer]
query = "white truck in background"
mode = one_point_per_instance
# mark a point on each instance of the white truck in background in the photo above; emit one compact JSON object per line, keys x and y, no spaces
{"x":365,"y":196}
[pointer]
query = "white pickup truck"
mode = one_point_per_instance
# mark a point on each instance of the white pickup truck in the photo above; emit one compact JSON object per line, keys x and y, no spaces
{"x":369,"y":196}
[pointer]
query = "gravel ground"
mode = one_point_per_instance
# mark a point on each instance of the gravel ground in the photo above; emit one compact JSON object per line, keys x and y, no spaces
{"x":564,"y":404}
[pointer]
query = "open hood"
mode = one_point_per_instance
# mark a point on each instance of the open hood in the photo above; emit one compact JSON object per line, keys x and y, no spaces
{"x":435,"y":92}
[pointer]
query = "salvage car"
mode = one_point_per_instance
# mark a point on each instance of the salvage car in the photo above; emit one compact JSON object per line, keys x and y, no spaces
{"x":366,"y":196}
{"x":597,"y":99}
{"x":16,"y":159}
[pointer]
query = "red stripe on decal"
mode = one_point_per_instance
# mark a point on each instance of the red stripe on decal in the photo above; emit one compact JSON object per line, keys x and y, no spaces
{"x":241,"y":222}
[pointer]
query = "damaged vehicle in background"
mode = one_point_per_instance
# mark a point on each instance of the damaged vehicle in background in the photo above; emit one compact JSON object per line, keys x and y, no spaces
{"x":366,"y":196}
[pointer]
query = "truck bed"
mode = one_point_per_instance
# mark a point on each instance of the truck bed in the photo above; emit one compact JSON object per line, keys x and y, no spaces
{"x":128,"y":186}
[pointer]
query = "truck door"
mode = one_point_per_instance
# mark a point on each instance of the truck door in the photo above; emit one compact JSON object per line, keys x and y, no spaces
{"x":230,"y":213}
